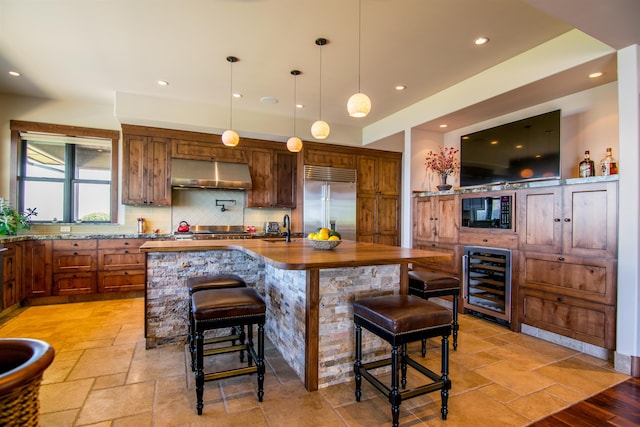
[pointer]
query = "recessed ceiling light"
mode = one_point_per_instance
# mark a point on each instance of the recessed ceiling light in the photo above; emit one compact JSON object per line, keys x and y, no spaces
{"x":444,"y":125}
{"x":401,"y":87}
{"x":14,"y":73}
{"x":481,"y":40}
{"x":518,"y":146}
{"x":268,"y":100}
{"x":299,"y":105}
{"x":163,"y":83}
{"x":596,"y":75}
{"x":493,"y":142}
{"x":237,"y":95}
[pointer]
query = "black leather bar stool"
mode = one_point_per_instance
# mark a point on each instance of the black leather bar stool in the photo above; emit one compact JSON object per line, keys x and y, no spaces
{"x":216,"y":281}
{"x":224,"y":308}
{"x":401,"y":319}
{"x":427,"y":284}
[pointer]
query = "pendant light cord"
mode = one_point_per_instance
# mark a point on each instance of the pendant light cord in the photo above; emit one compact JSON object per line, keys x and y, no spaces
{"x":231,"y":94}
{"x":320,"y":107}
{"x":359,"y":40}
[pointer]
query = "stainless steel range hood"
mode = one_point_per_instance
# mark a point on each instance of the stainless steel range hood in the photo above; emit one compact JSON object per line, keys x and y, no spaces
{"x":207,"y":174}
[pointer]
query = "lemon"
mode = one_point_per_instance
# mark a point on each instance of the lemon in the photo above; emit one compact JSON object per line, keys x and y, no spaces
{"x":333,"y":238}
{"x":311,"y":236}
{"x":322,"y":235}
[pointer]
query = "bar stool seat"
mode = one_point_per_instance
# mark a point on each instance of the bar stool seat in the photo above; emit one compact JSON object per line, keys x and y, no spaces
{"x":401,"y":319}
{"x":215,"y":281}
{"x":427,"y":284}
{"x":223,"y":308}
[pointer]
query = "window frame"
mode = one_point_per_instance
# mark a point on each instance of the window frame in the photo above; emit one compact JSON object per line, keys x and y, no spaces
{"x":16,"y":160}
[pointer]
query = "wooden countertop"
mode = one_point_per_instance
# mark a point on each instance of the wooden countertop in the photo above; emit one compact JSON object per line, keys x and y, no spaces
{"x":300,"y":255}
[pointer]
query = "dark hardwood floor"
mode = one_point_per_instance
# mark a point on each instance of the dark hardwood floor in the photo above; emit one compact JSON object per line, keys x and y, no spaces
{"x":616,"y":406}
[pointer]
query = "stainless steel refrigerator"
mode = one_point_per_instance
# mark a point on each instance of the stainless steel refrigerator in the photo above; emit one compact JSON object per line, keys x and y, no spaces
{"x":330,"y":200}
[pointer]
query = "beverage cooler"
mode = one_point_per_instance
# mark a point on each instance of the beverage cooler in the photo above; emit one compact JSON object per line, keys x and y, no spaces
{"x":486,"y":275}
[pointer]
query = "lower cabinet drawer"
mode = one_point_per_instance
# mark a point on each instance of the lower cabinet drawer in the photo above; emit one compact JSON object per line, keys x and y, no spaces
{"x":121,"y":281}
{"x":450,"y":265}
{"x":74,"y":283}
{"x":121,"y":260}
{"x":70,"y":261}
{"x":582,"y":320}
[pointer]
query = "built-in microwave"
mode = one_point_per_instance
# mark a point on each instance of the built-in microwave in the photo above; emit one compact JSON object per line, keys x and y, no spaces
{"x":487,"y":212}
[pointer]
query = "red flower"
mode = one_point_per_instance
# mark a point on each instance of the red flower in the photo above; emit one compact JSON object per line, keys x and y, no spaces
{"x":445,"y":162}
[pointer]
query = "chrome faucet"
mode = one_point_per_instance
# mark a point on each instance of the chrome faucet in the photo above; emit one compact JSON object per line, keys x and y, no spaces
{"x":286,"y":222}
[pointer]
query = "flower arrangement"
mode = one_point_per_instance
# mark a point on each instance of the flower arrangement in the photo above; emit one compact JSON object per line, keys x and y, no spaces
{"x":11,"y":221}
{"x":445,"y":162}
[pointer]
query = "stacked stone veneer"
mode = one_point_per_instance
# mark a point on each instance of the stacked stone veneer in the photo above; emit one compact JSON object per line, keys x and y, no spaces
{"x":166,"y":291}
{"x":286,"y":301}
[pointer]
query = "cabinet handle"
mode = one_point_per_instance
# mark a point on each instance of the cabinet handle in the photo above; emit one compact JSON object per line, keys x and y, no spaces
{"x":126,"y":252}
{"x":126,"y":272}
{"x":560,"y":258}
{"x":126,"y":243}
{"x":75,"y":253}
{"x":560,"y":299}
{"x":484,"y":240}
{"x":567,"y":220}
{"x":556,"y":219}
{"x":75,"y":244}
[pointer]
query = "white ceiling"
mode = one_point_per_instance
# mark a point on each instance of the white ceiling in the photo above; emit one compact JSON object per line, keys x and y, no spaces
{"x":89,"y":50}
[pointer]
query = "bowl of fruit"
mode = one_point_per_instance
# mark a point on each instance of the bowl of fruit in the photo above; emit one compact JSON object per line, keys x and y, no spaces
{"x":324,"y":239}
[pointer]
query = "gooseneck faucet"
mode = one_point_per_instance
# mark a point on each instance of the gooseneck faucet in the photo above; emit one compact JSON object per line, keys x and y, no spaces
{"x":286,"y":222}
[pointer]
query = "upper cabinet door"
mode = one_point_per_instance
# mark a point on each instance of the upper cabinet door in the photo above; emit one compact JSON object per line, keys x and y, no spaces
{"x":590,"y":219}
{"x":540,"y":219}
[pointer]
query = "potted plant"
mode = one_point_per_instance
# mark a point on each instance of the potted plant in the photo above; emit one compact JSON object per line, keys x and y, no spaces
{"x":444,"y":163}
{"x":11,"y":221}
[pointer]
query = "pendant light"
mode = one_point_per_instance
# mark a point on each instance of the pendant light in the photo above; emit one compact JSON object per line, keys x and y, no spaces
{"x":359,"y":104}
{"x":230,"y":137}
{"x":320,"y":129}
{"x":294,"y":144}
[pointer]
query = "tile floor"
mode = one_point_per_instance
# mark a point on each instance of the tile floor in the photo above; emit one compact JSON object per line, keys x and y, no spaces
{"x":103,"y":376}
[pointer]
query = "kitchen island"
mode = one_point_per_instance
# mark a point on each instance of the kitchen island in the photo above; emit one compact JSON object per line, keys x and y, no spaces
{"x":308,"y":293}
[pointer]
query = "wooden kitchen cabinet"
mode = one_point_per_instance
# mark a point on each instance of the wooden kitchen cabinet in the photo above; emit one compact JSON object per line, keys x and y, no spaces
{"x":436,"y":227}
{"x":37,"y":268}
{"x":578,"y":219}
{"x":74,"y":266}
{"x":329,"y":158}
{"x":378,"y":198}
{"x":273,"y":177}
{"x":196,"y":150}
{"x":146,"y":171}
{"x":570,"y":296}
{"x":121,"y":265}
{"x":11,"y":283}
{"x":436,"y":219}
{"x":568,"y":240}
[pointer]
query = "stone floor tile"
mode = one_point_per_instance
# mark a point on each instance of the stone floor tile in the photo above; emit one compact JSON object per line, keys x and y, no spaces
{"x":512,"y":376}
{"x":117,"y":402}
{"x":62,"y":396}
{"x":59,"y":419}
{"x":537,"y":405}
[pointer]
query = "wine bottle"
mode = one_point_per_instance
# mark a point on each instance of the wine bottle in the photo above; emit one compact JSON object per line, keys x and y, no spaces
{"x":608,"y":165}
{"x":587,"y":167}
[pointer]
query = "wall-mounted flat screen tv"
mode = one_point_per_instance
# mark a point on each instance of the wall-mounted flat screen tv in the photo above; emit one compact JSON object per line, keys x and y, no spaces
{"x":524,"y":150}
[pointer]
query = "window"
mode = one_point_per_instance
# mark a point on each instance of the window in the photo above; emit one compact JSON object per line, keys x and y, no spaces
{"x":67,"y":177}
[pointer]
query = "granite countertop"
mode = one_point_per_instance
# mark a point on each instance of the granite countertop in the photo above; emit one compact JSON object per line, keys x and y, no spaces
{"x":62,"y":236}
{"x":517,"y":186}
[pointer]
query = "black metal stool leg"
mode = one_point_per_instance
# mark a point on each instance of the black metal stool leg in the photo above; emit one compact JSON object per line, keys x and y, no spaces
{"x":455,"y":325}
{"x":394,"y":395}
{"x":199,"y":372}
{"x":260,"y":361}
{"x":403,"y":366}
{"x":250,"y":344}
{"x":424,"y":347}
{"x":358,"y":364}
{"x":444,"y":393}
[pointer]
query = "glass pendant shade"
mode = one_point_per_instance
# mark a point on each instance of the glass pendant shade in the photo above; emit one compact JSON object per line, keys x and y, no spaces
{"x":294,"y":144}
{"x":359,"y":105}
{"x":230,"y":138}
{"x":320,"y":129}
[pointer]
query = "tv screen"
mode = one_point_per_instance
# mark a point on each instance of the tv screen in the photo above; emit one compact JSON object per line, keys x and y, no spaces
{"x":524,"y":150}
